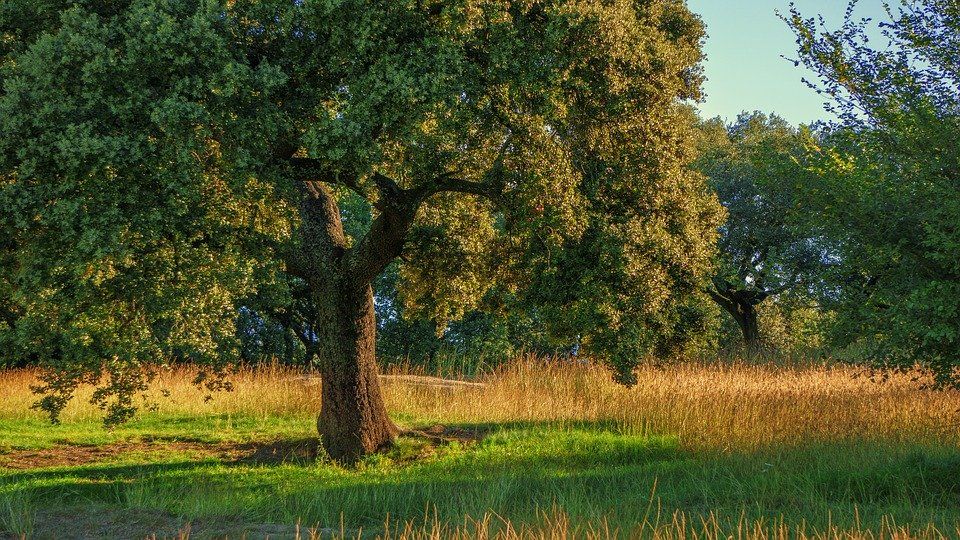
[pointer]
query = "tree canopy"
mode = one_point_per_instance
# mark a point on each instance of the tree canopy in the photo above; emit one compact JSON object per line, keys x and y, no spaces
{"x":171,"y":166}
{"x":757,"y":167}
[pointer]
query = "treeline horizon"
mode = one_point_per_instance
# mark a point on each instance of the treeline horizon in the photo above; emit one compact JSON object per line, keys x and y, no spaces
{"x":778,"y":287}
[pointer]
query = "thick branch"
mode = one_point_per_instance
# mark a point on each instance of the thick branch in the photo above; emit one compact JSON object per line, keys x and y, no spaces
{"x":315,"y":170}
{"x":724,"y":302}
{"x":728,"y":297}
{"x":390,"y":191}
{"x":387,"y":235}
{"x":398,"y":208}
{"x":452,"y":184}
{"x":383,"y":242}
{"x":491,"y":187}
{"x":722,"y":288}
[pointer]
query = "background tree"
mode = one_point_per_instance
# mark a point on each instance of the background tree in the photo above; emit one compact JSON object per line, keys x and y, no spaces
{"x":171,"y":165}
{"x":492,"y":333}
{"x":888,"y":190}
{"x":755,"y":165}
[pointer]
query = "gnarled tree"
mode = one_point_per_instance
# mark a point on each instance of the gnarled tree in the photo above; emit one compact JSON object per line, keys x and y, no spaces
{"x":166,"y":163}
{"x":756,"y":167}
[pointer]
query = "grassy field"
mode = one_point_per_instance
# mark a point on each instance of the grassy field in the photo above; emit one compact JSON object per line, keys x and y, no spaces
{"x":541,"y":450}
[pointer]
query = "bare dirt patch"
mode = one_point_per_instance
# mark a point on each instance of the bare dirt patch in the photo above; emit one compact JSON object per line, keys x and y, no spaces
{"x":440,"y":434}
{"x":251,"y":453}
{"x":272,"y":452}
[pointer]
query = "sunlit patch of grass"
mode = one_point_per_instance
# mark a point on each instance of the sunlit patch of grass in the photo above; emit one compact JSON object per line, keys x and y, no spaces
{"x":592,"y":474}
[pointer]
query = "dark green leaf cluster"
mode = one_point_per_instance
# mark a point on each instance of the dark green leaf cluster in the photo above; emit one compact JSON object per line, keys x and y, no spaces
{"x":767,"y":250}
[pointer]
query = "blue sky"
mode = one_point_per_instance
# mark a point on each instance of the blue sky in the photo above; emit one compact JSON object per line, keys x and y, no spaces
{"x":744,"y":67}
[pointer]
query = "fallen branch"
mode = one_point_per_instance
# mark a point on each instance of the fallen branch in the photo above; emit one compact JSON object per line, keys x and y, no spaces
{"x":416,"y":380}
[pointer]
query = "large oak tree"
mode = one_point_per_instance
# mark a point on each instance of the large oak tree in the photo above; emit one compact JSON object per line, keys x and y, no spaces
{"x":167,"y":166}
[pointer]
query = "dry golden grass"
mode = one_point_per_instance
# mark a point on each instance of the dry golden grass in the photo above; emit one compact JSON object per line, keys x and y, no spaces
{"x":712,"y":407}
{"x":556,"y":525}
{"x":706,"y":405}
{"x":264,"y":391}
{"x":720,"y":406}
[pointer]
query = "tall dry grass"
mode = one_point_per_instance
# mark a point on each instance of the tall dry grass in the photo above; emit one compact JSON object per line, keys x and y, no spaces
{"x":721,"y":406}
{"x":263,"y":391}
{"x":556,"y":525}
{"x":738,"y":405}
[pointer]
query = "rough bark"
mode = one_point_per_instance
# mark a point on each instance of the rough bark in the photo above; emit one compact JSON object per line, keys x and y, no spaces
{"x":353,"y":420}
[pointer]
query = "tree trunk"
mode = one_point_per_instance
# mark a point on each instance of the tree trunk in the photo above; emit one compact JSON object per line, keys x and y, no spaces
{"x":746,"y":316}
{"x":742,"y":306}
{"x":353,"y":420}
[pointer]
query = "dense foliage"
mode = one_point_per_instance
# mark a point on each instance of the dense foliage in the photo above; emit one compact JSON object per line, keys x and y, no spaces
{"x":887,"y":194}
{"x":176,"y":173}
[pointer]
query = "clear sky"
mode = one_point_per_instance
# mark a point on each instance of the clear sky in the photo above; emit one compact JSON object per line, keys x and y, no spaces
{"x":744,"y":66}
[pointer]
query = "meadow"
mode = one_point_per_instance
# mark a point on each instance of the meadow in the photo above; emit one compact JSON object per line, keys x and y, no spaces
{"x":539,"y":449}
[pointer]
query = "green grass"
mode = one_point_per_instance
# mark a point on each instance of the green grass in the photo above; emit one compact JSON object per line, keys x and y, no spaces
{"x":591,"y":471}
{"x":733,"y":446}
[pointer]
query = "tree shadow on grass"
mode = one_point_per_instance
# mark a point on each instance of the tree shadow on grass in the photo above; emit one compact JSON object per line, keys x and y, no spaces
{"x":267,"y":452}
{"x":304,"y":452}
{"x":301,"y":451}
{"x":454,"y":471}
{"x":591,"y":469}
